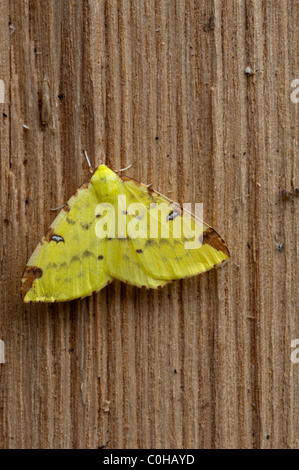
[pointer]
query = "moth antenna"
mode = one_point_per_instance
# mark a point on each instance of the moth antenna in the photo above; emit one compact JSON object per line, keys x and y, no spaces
{"x":57,"y":208}
{"x":124,"y":169}
{"x":88,"y":161}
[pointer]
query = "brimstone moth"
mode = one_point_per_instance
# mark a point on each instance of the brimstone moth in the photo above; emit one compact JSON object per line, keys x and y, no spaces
{"x":93,"y":241}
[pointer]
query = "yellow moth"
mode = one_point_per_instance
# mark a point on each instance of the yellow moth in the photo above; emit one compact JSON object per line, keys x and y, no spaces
{"x":116,"y":228}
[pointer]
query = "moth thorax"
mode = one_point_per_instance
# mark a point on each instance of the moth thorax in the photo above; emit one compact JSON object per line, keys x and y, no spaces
{"x":105,"y":183}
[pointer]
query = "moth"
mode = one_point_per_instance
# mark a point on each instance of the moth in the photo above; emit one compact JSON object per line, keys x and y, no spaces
{"x":117,"y":228}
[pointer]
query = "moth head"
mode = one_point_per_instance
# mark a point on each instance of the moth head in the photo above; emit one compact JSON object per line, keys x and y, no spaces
{"x":105,"y":183}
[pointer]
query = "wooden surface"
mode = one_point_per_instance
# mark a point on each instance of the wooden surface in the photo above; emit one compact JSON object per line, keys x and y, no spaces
{"x":205,"y":362}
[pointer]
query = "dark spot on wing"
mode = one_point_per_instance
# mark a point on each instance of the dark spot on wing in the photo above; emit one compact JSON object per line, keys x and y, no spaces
{"x":30,"y":274}
{"x":75,"y":258}
{"x":86,"y":254}
{"x":150,"y":242}
{"x":85,"y":226}
{"x":57,"y":238}
{"x":52,"y":266}
{"x":120,"y":239}
{"x":172,"y":215}
{"x":100,"y":257}
{"x":98,"y":215}
{"x":139,"y":251}
{"x":69,"y":221}
{"x":164,"y":241}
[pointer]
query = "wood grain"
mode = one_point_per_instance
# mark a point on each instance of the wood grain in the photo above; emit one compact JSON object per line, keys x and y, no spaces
{"x":205,"y":362}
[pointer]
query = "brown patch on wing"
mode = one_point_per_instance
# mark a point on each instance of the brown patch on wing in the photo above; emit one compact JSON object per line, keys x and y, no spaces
{"x":49,"y":235}
{"x":150,"y":193}
{"x":127,"y":178}
{"x":30,"y":274}
{"x":83,"y":186}
{"x":67,"y":208}
{"x":214,"y":240}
